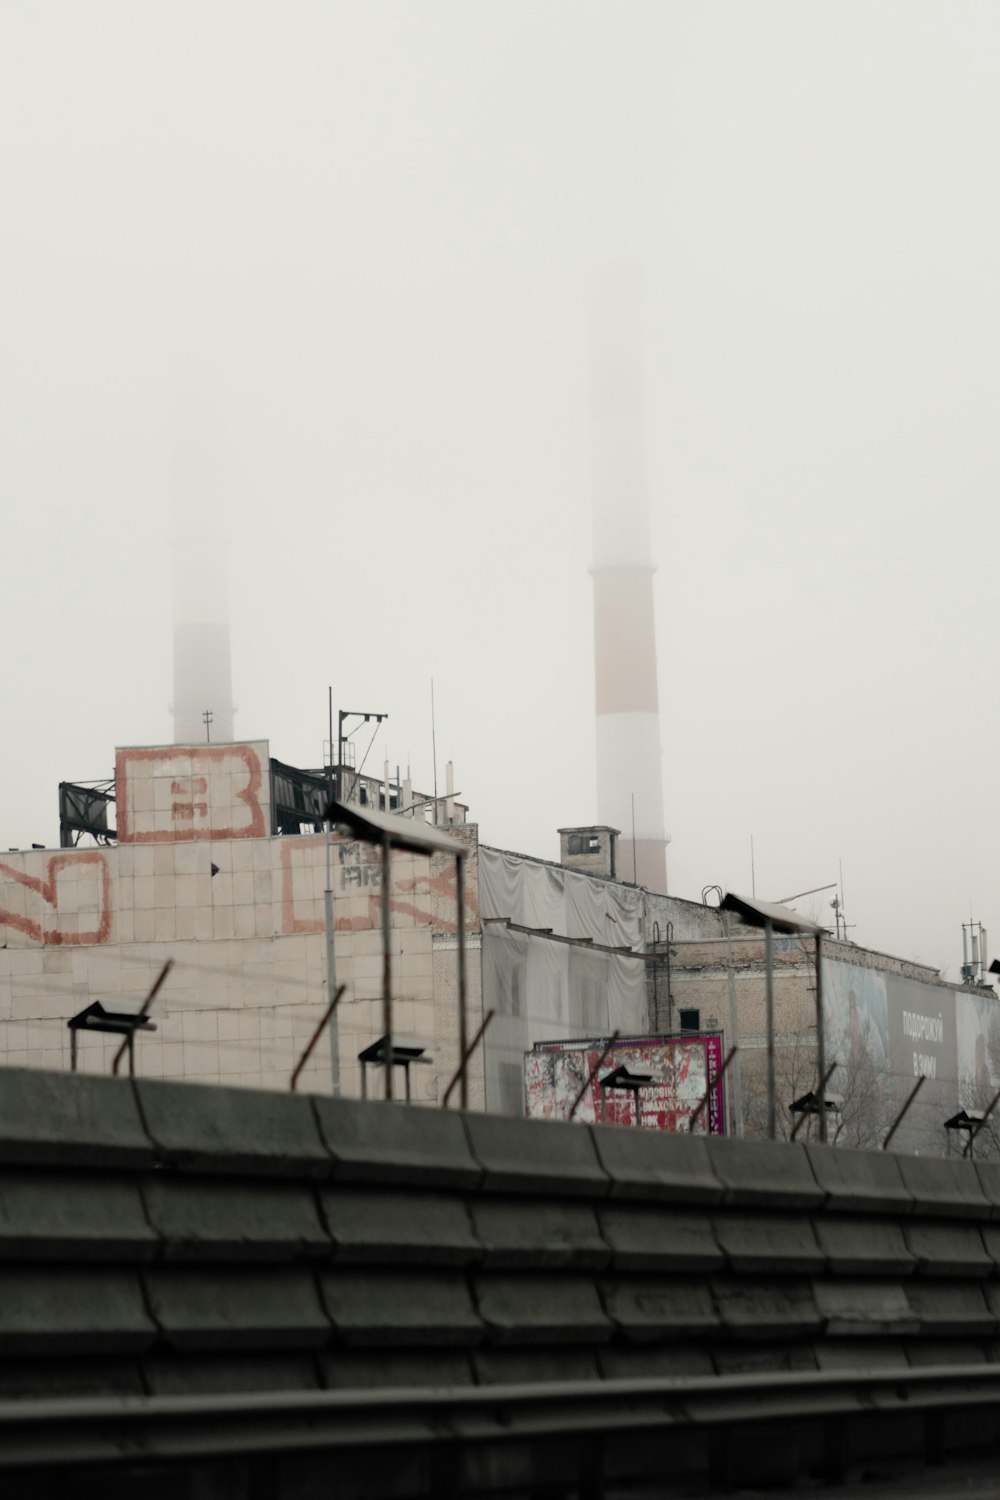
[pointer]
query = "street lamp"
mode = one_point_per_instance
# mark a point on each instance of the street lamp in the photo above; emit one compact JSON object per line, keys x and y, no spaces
{"x":774,"y":918}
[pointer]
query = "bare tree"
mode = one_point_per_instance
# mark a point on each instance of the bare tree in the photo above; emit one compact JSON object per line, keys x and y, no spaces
{"x":865,"y":1109}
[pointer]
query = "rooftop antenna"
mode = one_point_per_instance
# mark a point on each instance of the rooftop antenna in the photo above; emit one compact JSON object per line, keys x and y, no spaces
{"x":635,"y":878}
{"x":434,"y":753}
{"x":343,"y":715}
{"x":838,"y":916}
{"x":973,"y":952}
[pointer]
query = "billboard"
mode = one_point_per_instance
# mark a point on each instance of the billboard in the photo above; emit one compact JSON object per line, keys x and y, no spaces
{"x":884,"y":1031}
{"x":684,"y":1069}
{"x":977,"y":1023}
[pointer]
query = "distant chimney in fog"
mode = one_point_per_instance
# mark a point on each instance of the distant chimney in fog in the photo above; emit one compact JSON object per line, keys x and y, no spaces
{"x":202,"y":664}
{"x":629,"y":770}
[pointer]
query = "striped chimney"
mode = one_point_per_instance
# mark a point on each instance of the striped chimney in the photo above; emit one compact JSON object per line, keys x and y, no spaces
{"x":627,"y":700}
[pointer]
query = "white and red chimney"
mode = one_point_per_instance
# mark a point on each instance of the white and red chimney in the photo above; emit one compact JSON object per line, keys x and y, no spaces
{"x":629,"y":768}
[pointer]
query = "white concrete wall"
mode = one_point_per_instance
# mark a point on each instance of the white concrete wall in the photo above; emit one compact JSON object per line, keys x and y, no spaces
{"x":248,"y":942}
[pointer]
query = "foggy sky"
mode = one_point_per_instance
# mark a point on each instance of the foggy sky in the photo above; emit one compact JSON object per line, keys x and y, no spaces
{"x":367,"y":233}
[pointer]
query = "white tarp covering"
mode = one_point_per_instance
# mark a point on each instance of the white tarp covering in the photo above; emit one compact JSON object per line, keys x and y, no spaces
{"x":543,"y":990}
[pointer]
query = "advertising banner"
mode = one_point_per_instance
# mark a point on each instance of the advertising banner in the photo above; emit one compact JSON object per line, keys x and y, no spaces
{"x":683,"y":1069}
{"x":977,"y":1022}
{"x":884,"y":1032}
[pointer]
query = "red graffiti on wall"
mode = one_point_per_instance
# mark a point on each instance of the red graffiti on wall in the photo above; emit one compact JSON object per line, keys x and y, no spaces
{"x":48,"y":889}
{"x":412,"y":896}
{"x":440,"y":886}
{"x":190,"y":813}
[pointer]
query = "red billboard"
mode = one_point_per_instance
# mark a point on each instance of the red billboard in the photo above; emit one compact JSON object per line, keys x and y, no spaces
{"x":680,"y":1071}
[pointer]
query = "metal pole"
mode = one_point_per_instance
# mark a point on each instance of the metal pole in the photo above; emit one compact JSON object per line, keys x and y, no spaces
{"x":142,"y":1011}
{"x":670,"y":1003}
{"x":896,"y":1122}
{"x":466,"y":1056}
{"x":463,"y":1038}
{"x":772,"y":1110}
{"x":386,"y":966}
{"x":599,"y":1064}
{"x":331,"y":926}
{"x":696,"y":1114}
{"x":635,"y":878}
{"x":434,"y":754}
{"x":820,"y":1040}
{"x":967,"y":1149}
{"x":327,"y":1016}
{"x":735,"y":1077}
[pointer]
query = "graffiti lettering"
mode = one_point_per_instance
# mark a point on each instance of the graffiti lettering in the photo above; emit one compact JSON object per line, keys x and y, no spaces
{"x":87,"y":901}
{"x":173,"y":794}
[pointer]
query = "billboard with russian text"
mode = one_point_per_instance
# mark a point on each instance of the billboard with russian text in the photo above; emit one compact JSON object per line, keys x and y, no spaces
{"x":884,"y":1032}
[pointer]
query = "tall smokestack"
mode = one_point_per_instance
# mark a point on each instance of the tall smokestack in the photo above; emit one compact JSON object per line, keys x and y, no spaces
{"x":629,"y":771}
{"x":203,"y":683}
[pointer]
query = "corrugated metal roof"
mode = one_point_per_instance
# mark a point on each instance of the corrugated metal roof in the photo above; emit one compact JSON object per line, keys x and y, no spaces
{"x":404,"y":833}
{"x":757,"y":913}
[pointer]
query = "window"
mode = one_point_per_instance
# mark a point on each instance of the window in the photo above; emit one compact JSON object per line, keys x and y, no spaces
{"x":690,"y":1020}
{"x":511,"y":988}
{"x":593,"y":1005}
{"x":516,"y":987}
{"x":583,"y":843}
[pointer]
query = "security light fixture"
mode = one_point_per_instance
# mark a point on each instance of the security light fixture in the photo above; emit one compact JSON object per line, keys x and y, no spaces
{"x":777,"y":918}
{"x":633,"y":1083}
{"x":401,"y":1052}
{"x":116,"y":1022}
{"x":809,"y":1104}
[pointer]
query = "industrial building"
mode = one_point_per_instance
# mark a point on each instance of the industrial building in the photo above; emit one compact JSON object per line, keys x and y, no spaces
{"x":213,"y":860}
{"x":197,"y":868}
{"x":213,"y":855}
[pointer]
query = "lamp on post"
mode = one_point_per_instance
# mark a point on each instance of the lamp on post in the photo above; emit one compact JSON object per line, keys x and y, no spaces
{"x":388,"y":832}
{"x":773,"y":918}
